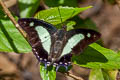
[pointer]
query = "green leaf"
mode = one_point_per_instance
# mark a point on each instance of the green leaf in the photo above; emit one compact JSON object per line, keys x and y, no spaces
{"x":70,"y":25}
{"x":53,"y":16}
{"x":10,"y":38}
{"x":47,"y":74}
{"x":54,"y":3}
{"x":96,"y":74}
{"x":118,"y":52}
{"x":110,"y":74}
{"x":96,"y":56}
{"x":28,"y":7}
{"x":87,"y":23}
{"x":2,"y":15}
{"x":102,"y":74}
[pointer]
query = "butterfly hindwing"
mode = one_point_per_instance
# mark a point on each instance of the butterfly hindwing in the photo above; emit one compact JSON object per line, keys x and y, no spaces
{"x":78,"y":39}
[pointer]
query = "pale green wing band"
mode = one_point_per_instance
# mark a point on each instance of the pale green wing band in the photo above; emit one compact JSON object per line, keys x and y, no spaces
{"x":44,"y":37}
{"x":73,"y":41}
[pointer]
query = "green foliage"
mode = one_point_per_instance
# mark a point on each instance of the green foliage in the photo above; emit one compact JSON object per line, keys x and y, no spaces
{"x":87,"y":23}
{"x":2,"y":15}
{"x":94,"y":56}
{"x":110,"y":74}
{"x":28,"y":7}
{"x":47,"y":74}
{"x":19,"y":44}
{"x":102,"y":74}
{"x":52,"y":15}
{"x":70,"y":25}
{"x":11,"y":40}
{"x":96,"y":74}
{"x":54,"y":3}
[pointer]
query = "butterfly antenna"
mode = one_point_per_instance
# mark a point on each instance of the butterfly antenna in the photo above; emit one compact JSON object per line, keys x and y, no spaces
{"x":63,"y":26}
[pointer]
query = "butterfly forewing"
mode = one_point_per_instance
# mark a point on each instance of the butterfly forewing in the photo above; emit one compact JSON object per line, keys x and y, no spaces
{"x":39,"y":35}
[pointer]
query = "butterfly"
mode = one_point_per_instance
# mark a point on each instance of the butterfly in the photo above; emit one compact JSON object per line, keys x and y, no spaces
{"x":53,"y":46}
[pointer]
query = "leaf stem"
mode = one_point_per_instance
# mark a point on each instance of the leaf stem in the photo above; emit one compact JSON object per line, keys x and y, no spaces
{"x":73,"y":76}
{"x":5,"y":9}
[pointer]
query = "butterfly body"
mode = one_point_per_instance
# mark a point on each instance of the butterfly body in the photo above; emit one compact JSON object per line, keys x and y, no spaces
{"x":54,"y":46}
{"x":58,"y":42}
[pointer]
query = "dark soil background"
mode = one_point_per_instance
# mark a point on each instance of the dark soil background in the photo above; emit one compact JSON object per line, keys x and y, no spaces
{"x":24,"y":66}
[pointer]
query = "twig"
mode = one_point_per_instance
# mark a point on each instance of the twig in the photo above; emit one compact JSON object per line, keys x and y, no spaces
{"x":73,"y":76}
{"x":5,"y":9}
{"x":43,"y":4}
{"x":10,"y":3}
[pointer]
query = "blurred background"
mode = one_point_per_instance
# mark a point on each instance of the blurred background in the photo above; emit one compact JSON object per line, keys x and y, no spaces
{"x":105,"y":14}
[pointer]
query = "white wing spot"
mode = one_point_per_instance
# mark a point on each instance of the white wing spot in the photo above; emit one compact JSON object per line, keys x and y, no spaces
{"x":36,"y":53}
{"x":48,"y":62}
{"x":31,"y":24}
{"x":88,"y":35}
{"x":55,"y":64}
{"x":60,"y":63}
{"x":69,"y":62}
{"x":24,"y":22}
{"x":40,"y":58}
{"x":65,"y":63}
{"x":45,"y":59}
{"x":34,"y":49}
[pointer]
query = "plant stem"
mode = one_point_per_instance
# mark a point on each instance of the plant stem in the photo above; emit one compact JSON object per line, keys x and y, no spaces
{"x":73,"y":76}
{"x":5,"y":9}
